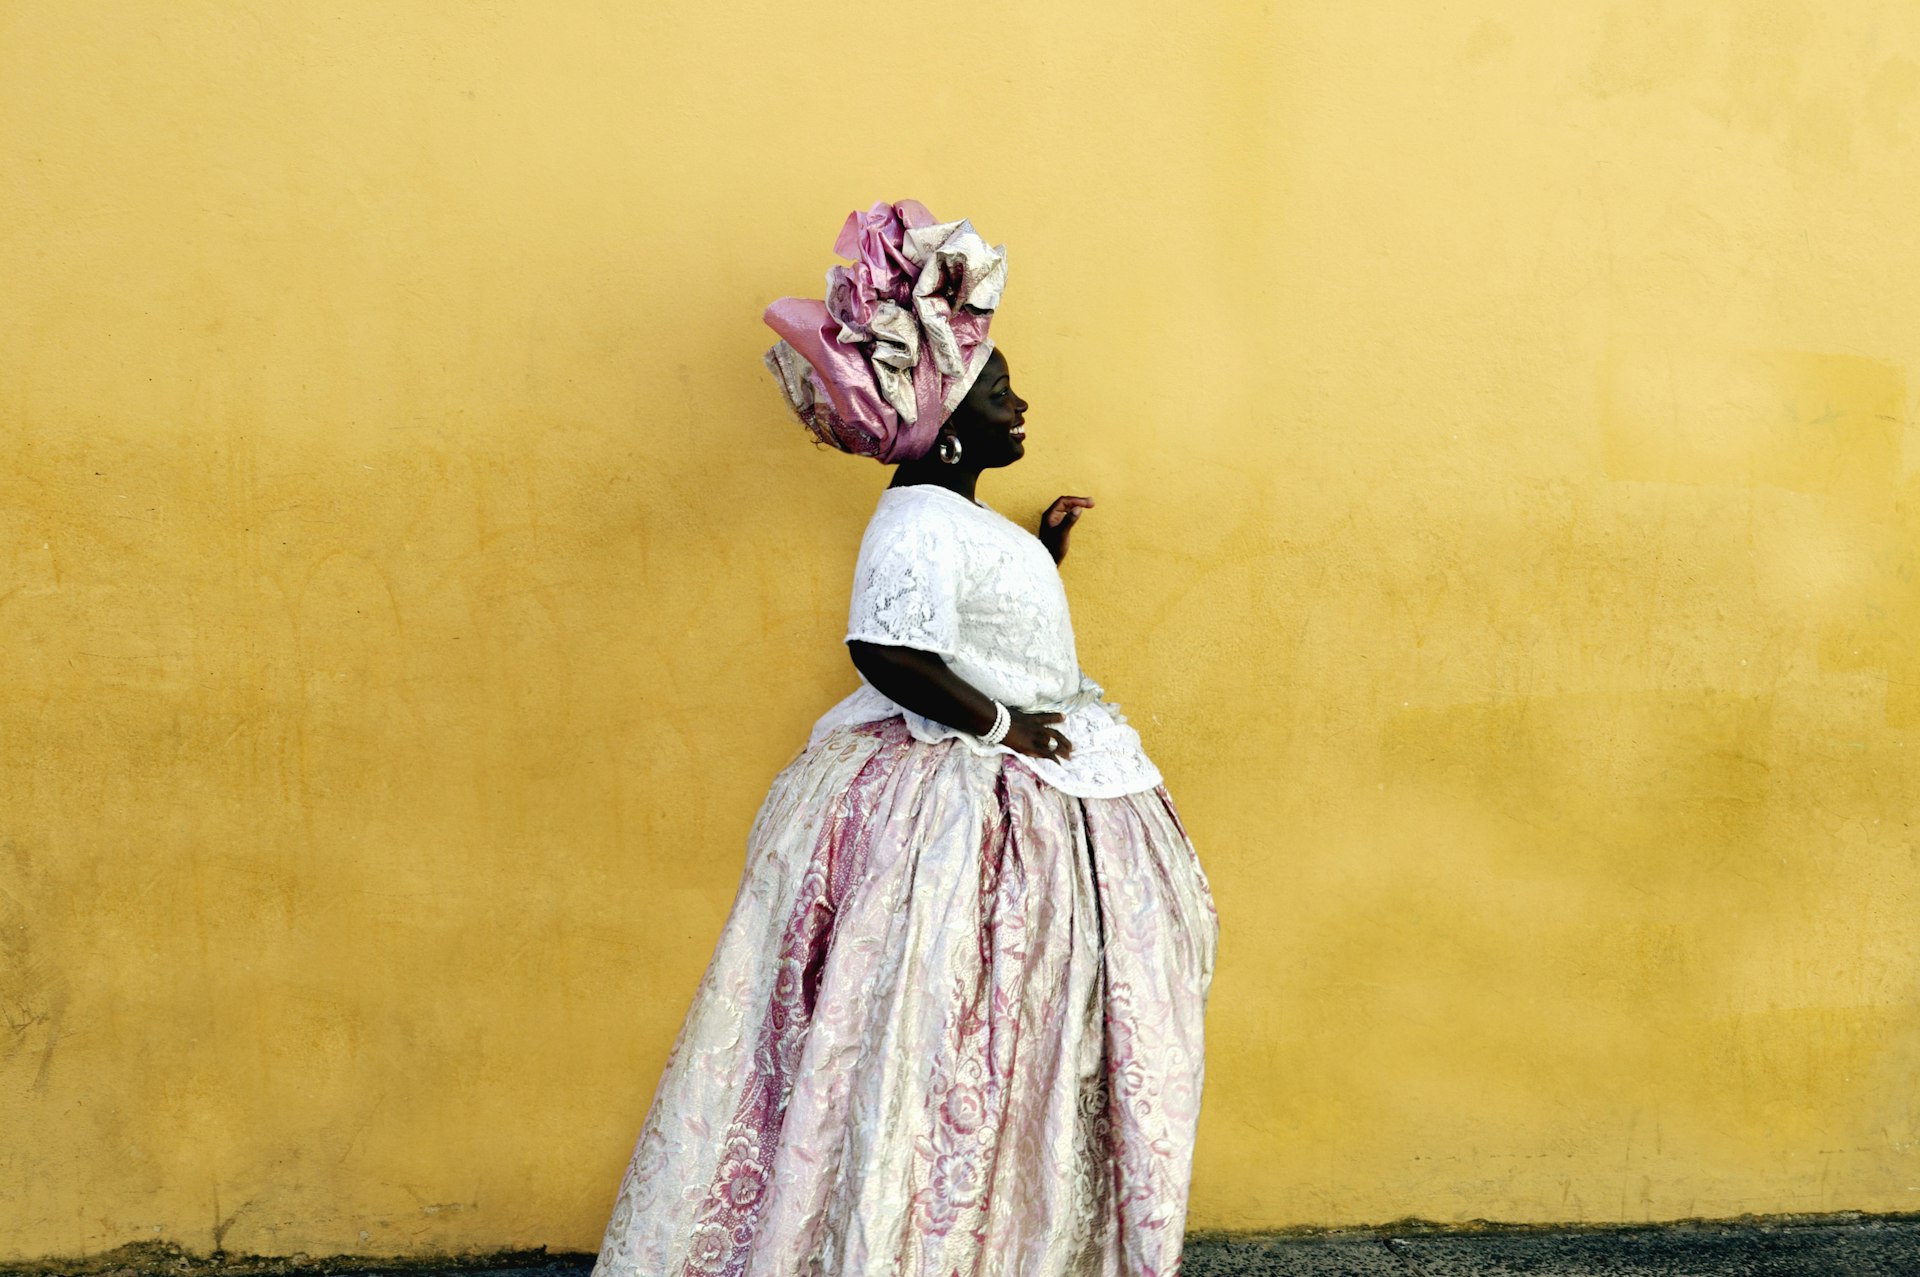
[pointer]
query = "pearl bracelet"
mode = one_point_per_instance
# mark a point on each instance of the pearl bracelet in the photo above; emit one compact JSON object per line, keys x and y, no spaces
{"x":1001,"y":722}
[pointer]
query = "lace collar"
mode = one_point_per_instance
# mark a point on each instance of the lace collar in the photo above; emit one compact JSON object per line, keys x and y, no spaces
{"x":945,"y":492}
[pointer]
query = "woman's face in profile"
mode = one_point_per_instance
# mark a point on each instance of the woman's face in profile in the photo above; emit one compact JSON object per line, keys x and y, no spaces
{"x":990,"y":422}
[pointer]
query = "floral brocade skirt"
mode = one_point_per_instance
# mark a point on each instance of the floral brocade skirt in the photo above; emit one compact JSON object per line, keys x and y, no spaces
{"x":952,"y":1027}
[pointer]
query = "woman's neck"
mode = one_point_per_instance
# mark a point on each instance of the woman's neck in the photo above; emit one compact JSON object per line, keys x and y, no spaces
{"x":953,"y":478}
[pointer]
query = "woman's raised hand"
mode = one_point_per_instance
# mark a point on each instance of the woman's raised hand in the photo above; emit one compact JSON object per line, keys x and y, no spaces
{"x":1035,"y":736}
{"x":1058,"y":521}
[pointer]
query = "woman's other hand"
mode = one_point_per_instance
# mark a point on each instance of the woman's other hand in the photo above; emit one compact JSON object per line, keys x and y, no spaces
{"x":1058,"y":521}
{"x":1030,"y":734}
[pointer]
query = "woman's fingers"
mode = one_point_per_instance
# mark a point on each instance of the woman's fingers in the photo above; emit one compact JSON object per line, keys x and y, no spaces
{"x":1061,"y":747}
{"x":1052,"y":743}
{"x":1066,"y":510}
{"x":1032,"y":732}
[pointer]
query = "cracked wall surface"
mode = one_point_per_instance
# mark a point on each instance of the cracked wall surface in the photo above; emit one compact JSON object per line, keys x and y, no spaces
{"x":1502,"y":423}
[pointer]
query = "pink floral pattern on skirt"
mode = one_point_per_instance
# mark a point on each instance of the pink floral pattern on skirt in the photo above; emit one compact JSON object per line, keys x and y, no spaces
{"x":952,"y":1028}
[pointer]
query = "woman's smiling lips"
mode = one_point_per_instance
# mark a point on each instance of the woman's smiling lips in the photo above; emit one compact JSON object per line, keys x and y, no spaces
{"x":1019,"y":430}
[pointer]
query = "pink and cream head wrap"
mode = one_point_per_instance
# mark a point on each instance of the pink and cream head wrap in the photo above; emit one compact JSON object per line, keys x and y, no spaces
{"x":877,"y":367}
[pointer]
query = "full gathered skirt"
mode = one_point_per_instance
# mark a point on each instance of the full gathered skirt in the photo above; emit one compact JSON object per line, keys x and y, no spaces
{"x":952,"y":1027}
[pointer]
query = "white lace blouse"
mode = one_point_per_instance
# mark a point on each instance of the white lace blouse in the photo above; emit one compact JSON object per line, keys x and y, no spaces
{"x":944,"y":574}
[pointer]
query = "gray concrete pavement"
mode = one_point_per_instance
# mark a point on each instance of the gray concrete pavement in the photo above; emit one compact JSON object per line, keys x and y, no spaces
{"x":1826,"y":1247}
{"x":1862,"y":1248}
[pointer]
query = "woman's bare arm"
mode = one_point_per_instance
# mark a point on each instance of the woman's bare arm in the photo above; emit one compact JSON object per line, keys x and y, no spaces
{"x":926,"y":684}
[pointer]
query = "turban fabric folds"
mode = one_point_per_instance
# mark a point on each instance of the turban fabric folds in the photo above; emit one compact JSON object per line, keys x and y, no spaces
{"x":878,"y":365}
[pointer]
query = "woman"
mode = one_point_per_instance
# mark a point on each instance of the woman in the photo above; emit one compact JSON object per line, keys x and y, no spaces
{"x":953,"y":1023}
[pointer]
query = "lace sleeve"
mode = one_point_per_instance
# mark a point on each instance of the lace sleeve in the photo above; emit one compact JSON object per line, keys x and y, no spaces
{"x":906,"y":584}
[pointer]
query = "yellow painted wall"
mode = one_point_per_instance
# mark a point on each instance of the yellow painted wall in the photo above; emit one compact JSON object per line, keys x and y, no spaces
{"x":1502,"y":417}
